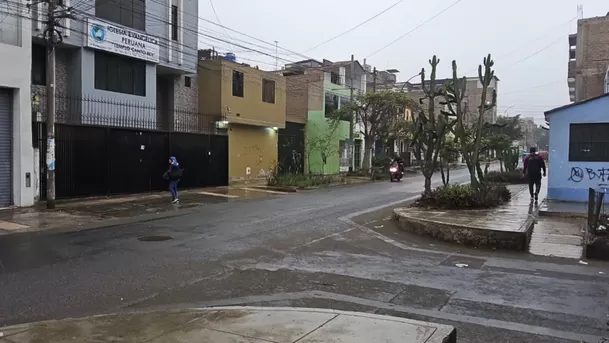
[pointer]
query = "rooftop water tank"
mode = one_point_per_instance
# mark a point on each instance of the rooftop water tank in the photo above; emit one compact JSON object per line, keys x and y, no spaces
{"x":230,"y":57}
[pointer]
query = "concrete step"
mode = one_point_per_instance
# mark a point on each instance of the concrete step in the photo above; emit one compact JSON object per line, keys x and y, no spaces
{"x":557,"y":237}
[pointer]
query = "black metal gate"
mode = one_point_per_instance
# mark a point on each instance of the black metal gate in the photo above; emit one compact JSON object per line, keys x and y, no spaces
{"x":93,"y":160}
{"x":291,"y":149}
{"x":6,"y":148}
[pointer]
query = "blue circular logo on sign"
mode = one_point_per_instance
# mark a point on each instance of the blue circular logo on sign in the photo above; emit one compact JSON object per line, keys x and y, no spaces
{"x":98,"y":33}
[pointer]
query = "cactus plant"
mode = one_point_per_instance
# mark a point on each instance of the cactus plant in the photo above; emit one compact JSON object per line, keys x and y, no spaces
{"x":470,"y":139}
{"x":429,"y":129}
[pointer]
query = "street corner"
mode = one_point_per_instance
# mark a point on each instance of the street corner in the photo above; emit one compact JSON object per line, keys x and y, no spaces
{"x":7,"y":227}
{"x":234,"y":324}
{"x":16,"y":221}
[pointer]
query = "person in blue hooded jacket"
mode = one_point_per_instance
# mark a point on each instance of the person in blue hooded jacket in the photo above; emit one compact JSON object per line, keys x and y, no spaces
{"x":173,"y":174}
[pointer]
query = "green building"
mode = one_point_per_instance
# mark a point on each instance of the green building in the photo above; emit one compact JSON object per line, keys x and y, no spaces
{"x":314,"y":91}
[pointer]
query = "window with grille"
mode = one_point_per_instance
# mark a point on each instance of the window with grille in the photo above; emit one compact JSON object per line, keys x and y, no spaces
{"x":119,"y":74}
{"x":331,"y":104}
{"x":237,"y":83}
{"x":589,"y":142}
{"x":130,"y":13}
{"x":335,"y":78}
{"x":39,"y":64}
{"x":268,"y":91}
{"x":174,"y":22}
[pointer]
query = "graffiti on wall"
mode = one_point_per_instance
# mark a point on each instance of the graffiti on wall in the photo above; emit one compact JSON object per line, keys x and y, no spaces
{"x":579,"y":174}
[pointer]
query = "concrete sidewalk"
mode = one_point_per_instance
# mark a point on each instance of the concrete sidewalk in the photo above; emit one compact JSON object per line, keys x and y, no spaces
{"x":88,"y":213}
{"x":91,"y":213}
{"x":233,"y":325}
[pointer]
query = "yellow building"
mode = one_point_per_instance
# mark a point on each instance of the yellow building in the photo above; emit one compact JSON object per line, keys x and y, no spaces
{"x":254,"y":105}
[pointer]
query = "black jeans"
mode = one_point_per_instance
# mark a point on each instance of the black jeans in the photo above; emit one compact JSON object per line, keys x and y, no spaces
{"x":534,"y":180}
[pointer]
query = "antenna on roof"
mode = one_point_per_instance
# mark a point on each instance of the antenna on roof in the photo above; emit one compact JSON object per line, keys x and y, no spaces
{"x":580,"y":12}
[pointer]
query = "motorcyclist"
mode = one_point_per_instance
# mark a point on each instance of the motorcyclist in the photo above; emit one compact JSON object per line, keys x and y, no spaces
{"x":397,"y":159}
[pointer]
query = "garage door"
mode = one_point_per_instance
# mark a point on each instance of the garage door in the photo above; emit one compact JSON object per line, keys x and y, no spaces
{"x":6,"y":155}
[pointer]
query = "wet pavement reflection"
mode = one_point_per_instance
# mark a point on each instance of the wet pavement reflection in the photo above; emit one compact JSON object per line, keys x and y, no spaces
{"x":81,"y":212}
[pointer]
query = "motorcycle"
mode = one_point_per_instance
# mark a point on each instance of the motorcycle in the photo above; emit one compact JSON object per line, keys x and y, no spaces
{"x":395,"y":172}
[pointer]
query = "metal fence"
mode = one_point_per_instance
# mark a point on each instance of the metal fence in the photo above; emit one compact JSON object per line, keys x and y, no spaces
{"x":595,"y":207}
{"x":291,"y":149}
{"x":100,"y":111}
{"x":113,"y":147}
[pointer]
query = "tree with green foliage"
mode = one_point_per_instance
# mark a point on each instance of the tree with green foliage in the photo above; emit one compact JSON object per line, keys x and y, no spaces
{"x":510,"y":159}
{"x":542,"y":138}
{"x":322,"y":145}
{"x":500,"y":138}
{"x":377,"y":114}
{"x":470,"y":139}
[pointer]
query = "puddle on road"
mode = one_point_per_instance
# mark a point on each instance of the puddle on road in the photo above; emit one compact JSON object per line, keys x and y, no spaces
{"x":154,"y":238}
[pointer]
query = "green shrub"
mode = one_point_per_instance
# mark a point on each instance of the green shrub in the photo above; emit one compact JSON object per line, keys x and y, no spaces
{"x":511,"y":177}
{"x":455,"y":197}
{"x":302,"y":181}
{"x":381,"y":161}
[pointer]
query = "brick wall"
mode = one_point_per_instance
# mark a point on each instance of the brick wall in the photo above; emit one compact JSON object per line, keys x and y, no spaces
{"x":303,"y":93}
{"x":62,"y":70}
{"x":186,"y":98}
{"x":592,"y":57}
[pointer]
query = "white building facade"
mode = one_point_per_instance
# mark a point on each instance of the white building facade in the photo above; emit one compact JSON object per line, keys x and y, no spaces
{"x":16,"y":152}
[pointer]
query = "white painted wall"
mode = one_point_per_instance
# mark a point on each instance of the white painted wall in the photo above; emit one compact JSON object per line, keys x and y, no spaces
{"x":15,"y":71}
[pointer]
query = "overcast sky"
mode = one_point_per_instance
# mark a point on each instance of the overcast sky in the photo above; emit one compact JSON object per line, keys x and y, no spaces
{"x":527,"y":38}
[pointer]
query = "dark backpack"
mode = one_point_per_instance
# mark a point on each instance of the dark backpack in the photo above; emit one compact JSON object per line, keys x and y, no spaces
{"x":175,"y":173}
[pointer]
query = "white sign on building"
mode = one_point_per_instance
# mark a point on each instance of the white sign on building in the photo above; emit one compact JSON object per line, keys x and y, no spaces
{"x":120,"y":40}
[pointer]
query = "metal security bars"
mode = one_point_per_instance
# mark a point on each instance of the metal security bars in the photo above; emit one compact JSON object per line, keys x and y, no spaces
{"x":107,"y":112}
{"x":106,"y":147}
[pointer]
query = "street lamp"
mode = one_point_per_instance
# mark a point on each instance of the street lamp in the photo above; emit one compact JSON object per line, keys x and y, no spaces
{"x":402,"y":89}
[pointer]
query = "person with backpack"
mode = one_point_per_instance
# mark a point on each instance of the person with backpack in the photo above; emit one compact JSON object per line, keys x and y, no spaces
{"x":173,"y":174}
{"x":534,"y":165}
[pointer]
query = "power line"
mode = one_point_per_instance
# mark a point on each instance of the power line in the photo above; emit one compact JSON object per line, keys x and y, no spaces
{"x":208,"y":36}
{"x":213,"y":8}
{"x":534,"y":87}
{"x":354,"y":27}
{"x":235,"y":31}
{"x":161,"y":20}
{"x":535,"y":53}
{"x":552,"y":30}
{"x":205,"y":32}
{"x":416,"y":28}
{"x":544,"y":35}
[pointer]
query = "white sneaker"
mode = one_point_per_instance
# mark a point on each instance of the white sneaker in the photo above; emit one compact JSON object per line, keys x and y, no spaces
{"x":175,"y":201}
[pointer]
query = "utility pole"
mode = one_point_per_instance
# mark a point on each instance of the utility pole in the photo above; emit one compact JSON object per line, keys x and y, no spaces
{"x":351,"y":135}
{"x":52,"y":37}
{"x":374,"y":80}
{"x":276,"y":55}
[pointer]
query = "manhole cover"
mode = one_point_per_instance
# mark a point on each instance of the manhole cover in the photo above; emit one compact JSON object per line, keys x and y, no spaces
{"x":154,"y":238}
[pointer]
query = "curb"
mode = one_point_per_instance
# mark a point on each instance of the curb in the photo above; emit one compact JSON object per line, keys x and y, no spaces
{"x":278,"y":188}
{"x":103,"y":224}
{"x":440,"y":333}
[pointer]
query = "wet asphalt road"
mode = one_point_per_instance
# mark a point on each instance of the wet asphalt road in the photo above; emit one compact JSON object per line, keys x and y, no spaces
{"x":305,"y":249}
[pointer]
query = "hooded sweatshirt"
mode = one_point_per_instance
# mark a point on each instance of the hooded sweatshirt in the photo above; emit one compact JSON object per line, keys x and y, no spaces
{"x":174,"y":172}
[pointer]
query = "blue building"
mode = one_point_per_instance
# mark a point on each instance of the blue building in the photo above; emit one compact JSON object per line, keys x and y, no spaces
{"x":579,"y":149}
